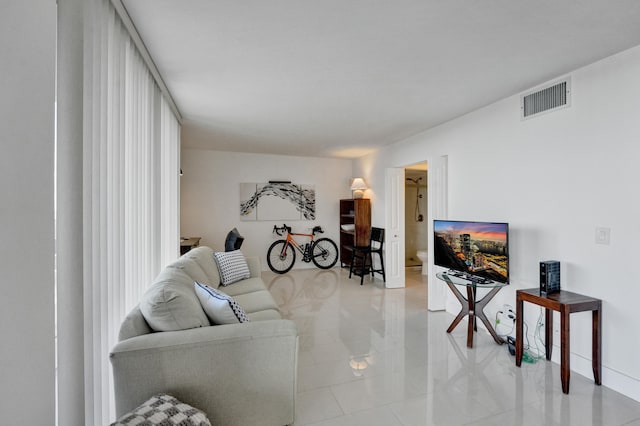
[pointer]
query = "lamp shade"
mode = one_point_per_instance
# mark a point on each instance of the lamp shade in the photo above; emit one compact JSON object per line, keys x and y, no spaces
{"x":358,"y":184}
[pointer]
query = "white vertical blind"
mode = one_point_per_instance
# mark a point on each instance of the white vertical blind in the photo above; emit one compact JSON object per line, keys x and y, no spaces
{"x":131,"y":150}
{"x":170,"y":185}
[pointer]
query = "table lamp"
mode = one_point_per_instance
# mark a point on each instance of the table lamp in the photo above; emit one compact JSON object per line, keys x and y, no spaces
{"x":357,"y":187}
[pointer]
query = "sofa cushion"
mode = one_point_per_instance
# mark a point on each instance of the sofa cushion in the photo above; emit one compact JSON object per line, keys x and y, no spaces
{"x":190,"y":267}
{"x":203,"y":256}
{"x":133,"y":325}
{"x":256,"y":301}
{"x":165,"y":410}
{"x":245,"y":286}
{"x":219,"y":307}
{"x":171,"y":303}
{"x":269,"y":314}
{"x":232,"y":266}
{"x":255,"y":268}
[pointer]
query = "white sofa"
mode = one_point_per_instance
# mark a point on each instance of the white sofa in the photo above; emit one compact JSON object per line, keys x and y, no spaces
{"x":238,"y":374}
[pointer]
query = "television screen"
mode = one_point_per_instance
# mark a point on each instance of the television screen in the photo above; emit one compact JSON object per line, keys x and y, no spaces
{"x":479,"y":249}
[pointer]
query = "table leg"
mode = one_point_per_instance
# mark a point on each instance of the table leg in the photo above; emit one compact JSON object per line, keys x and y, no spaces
{"x":474,"y":309}
{"x":456,"y":320}
{"x":479,"y":312}
{"x":565,"y":371}
{"x":472,"y":316}
{"x":519,"y":336}
{"x":463,"y":303}
{"x":548,"y":332}
{"x":596,"y":344}
{"x":475,"y":319}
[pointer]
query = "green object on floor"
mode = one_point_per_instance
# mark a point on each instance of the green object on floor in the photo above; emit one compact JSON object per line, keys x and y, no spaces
{"x":528,"y":358}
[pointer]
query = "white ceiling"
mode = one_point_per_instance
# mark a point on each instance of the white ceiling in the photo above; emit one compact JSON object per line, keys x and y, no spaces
{"x":341,"y":78}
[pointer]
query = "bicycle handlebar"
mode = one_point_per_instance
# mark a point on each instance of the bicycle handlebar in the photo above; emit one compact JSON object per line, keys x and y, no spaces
{"x":279,"y":230}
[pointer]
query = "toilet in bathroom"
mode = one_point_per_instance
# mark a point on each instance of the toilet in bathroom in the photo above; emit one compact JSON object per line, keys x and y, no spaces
{"x":422,"y":255}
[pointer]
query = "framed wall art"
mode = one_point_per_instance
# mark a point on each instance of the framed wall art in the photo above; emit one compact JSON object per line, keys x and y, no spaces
{"x":277,"y":201}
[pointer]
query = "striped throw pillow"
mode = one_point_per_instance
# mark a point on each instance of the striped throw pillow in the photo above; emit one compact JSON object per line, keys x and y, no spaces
{"x":232,"y":266}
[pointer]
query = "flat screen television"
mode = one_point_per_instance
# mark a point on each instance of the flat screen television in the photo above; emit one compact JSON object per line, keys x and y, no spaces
{"x":477,"y":251}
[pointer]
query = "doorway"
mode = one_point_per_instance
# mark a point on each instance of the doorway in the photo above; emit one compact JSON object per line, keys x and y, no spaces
{"x":416,"y":225}
{"x":394,"y":225}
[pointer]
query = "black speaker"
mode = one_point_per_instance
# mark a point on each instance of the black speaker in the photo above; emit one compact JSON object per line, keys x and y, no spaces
{"x":549,"y":277}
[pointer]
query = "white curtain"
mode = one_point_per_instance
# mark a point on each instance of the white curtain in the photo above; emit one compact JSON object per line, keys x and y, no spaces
{"x":131,"y":176}
{"x":170,"y":184}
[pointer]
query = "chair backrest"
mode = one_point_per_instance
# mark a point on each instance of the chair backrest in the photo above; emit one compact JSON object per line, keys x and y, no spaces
{"x":233,"y":241}
{"x":377,"y":238}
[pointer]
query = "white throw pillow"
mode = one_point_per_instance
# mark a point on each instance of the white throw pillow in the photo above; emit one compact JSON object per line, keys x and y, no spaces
{"x":219,"y":307}
{"x":232,"y":266}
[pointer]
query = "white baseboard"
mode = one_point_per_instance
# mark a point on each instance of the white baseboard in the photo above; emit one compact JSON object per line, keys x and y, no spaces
{"x":612,"y":379}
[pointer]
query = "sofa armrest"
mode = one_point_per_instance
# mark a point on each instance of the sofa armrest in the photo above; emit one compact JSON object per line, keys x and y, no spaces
{"x":255,"y":268}
{"x":238,"y":374}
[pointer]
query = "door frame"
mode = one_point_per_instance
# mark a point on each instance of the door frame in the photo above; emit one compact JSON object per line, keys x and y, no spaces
{"x":437,"y":200}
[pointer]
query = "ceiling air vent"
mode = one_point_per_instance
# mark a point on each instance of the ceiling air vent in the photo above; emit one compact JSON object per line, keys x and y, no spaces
{"x":546,"y":99}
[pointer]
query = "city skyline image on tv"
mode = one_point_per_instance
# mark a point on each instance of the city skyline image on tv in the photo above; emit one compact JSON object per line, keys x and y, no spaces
{"x":476,"y":248}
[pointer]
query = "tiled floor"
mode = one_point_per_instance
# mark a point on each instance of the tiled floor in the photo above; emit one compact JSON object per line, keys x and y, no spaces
{"x":375,"y":356}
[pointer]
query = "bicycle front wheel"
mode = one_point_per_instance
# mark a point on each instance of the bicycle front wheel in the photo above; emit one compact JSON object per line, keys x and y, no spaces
{"x":324,"y":253}
{"x":281,"y":257}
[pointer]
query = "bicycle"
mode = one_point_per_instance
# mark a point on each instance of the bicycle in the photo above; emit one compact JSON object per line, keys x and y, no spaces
{"x":281,"y":255}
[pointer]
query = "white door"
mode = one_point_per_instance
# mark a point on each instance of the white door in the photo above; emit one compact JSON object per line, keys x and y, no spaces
{"x":438,"y":209}
{"x":394,"y":228}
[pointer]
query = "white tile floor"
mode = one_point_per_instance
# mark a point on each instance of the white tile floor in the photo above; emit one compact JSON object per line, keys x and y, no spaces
{"x":375,"y":356}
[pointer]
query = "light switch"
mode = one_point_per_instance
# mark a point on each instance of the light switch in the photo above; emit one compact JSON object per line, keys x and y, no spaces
{"x":603,"y":235}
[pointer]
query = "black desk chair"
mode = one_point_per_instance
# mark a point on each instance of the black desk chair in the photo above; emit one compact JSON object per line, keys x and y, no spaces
{"x":233,"y":241}
{"x":361,"y":256}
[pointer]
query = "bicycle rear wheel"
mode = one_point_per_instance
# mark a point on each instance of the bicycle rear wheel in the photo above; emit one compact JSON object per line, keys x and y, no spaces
{"x":281,"y":257}
{"x":324,"y":253}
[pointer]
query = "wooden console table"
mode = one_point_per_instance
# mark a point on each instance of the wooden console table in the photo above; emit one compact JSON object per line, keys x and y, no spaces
{"x":566,"y":303}
{"x":187,"y":244}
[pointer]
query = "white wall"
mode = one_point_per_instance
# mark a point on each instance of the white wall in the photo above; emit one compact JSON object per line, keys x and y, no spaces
{"x":27,"y":67}
{"x":554,"y":178}
{"x":210,"y":195}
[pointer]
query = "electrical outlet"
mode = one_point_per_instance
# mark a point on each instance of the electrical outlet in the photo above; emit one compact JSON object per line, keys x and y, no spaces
{"x":504,"y":315}
{"x":603,"y":235}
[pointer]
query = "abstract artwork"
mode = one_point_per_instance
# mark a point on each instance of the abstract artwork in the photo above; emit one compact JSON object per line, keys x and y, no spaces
{"x":277,"y":201}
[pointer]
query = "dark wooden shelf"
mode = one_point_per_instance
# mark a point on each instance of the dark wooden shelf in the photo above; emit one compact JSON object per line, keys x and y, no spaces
{"x":355,"y":212}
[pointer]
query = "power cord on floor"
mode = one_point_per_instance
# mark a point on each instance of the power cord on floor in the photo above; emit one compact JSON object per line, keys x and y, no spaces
{"x":537,"y":336}
{"x":527,"y":356}
{"x":509,"y":318}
